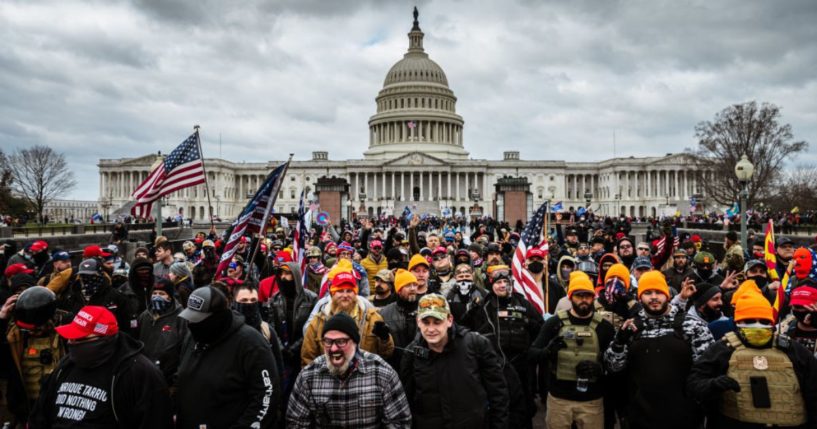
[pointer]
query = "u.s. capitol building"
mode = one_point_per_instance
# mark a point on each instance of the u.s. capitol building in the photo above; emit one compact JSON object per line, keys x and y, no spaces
{"x":417,"y":157}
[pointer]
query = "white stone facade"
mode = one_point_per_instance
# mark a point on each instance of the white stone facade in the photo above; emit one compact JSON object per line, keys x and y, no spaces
{"x":416,"y":157}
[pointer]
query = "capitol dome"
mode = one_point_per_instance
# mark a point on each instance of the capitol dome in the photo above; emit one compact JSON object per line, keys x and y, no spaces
{"x":416,"y":110}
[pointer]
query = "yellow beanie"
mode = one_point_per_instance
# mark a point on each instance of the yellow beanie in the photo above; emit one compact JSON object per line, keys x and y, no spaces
{"x":653,"y":280}
{"x":753,"y":305}
{"x":403,"y":278}
{"x":416,"y":260}
{"x":343,"y":266}
{"x":579,"y":281}
{"x":619,"y":271}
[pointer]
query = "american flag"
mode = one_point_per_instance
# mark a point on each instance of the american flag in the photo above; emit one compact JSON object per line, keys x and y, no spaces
{"x":300,"y":236}
{"x":531,"y":238}
{"x":253,"y":216}
{"x":181,"y":169}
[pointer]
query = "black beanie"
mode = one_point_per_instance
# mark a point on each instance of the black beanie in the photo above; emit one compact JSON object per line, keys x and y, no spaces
{"x":343,"y":323}
{"x":21,"y":281}
{"x":704,"y":292}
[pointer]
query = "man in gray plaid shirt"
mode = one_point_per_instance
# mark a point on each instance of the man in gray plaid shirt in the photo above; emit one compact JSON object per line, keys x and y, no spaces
{"x":347,"y":387}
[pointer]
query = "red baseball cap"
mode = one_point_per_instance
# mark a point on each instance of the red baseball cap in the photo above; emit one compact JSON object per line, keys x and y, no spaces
{"x":438,"y":250}
{"x":14,"y":269}
{"x":535,"y":252}
{"x":283,"y":256}
{"x":92,"y":252}
{"x":375,"y":243}
{"x":341,"y":279}
{"x":90,"y":320}
{"x":803,"y":295}
{"x":38,"y":246}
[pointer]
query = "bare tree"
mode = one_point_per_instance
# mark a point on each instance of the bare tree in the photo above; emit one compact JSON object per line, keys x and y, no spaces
{"x":39,"y":176}
{"x":743,"y":129}
{"x":795,"y":188}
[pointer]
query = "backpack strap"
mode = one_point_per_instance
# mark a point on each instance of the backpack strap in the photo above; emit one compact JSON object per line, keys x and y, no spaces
{"x":731,"y":339}
{"x":563,"y":317}
{"x":596,"y":320}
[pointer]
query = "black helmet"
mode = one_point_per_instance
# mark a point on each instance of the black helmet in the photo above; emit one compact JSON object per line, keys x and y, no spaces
{"x":35,"y":306}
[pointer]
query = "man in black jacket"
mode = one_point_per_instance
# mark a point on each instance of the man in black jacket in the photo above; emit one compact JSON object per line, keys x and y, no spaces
{"x":227,"y":375}
{"x":162,"y":330}
{"x":289,"y":310}
{"x":401,"y":315}
{"x":95,"y":289}
{"x":452,"y":376}
{"x":104,"y":382}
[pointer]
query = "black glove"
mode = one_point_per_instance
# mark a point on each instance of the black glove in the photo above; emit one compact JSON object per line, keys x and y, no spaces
{"x":553,"y":347}
{"x":381,"y":330}
{"x":588,"y":369}
{"x":724,"y":382}
{"x":623,"y":336}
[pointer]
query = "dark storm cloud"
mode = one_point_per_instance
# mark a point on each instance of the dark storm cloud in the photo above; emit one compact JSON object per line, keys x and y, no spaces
{"x":555,"y":80}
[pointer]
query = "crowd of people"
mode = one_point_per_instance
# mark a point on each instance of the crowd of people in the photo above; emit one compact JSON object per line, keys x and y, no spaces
{"x":410,"y":322}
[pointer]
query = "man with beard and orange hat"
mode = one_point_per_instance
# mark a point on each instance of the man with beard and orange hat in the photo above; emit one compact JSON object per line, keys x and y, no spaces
{"x":657,"y":351}
{"x":573,"y":343}
{"x":374,"y":333}
{"x":756,"y":378}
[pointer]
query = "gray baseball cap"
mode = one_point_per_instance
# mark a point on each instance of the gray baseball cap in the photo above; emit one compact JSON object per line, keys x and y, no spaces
{"x":202,"y":303}
{"x":89,"y":266}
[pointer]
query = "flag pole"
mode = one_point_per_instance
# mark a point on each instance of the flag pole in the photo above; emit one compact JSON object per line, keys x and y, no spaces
{"x":159,"y":208}
{"x":546,"y":233}
{"x":206,"y":179}
{"x":263,"y":230}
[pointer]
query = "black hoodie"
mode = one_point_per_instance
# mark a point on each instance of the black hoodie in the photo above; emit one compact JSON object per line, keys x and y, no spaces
{"x":140,"y":398}
{"x":231,"y":382}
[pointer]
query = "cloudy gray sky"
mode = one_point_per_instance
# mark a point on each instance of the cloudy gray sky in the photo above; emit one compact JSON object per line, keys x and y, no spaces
{"x":555,"y":80}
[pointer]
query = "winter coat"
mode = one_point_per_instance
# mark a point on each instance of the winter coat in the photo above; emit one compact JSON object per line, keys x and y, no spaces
{"x":461,"y":388}
{"x":230,"y":383}
{"x":162,"y":337}
{"x":140,"y":398}
{"x":365,"y":317}
{"x":402,"y":323}
{"x":372,"y":268}
{"x":304,"y":302}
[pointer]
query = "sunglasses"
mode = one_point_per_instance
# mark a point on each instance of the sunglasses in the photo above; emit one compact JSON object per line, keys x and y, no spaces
{"x":340,"y":342}
{"x":625,"y":246}
{"x":437,"y":258}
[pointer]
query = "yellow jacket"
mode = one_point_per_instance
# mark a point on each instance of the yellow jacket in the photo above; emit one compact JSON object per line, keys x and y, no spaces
{"x":313,"y":347}
{"x":372,"y":268}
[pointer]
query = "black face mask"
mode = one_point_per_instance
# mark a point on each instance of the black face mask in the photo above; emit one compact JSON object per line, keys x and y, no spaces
{"x":211,"y":328}
{"x":536,"y":267}
{"x":760,"y":281}
{"x":250,"y":311}
{"x":287,"y":286}
{"x":801,"y":317}
{"x":93,"y":353}
{"x":705,"y":274}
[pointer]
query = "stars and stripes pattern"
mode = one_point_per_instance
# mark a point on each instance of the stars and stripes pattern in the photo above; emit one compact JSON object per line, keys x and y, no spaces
{"x":181,"y":169}
{"x":252,"y":217}
{"x":531,"y":237}
{"x":300,"y":236}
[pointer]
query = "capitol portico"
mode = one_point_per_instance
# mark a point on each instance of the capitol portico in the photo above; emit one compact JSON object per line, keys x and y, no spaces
{"x":417,"y":157}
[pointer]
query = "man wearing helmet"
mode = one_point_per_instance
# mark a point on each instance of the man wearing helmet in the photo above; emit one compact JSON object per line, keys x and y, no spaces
{"x":34,"y":344}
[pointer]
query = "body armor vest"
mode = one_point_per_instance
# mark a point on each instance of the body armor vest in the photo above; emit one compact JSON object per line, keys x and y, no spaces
{"x":772,"y":364}
{"x":582,"y":344}
{"x":513,"y":334}
{"x":41,"y":356}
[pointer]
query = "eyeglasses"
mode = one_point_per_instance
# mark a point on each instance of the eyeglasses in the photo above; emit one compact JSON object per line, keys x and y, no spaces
{"x":437,"y":258}
{"x":644,"y":248}
{"x":376,"y":248}
{"x":340,"y":342}
{"x":625,"y":246}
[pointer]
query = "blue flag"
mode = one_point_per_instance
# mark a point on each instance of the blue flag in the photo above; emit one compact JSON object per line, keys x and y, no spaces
{"x":556,"y":207}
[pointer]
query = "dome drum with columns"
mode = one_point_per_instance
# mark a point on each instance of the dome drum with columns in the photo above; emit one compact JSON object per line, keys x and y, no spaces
{"x":416,"y":157}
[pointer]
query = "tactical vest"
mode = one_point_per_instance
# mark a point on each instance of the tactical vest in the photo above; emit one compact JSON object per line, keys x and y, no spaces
{"x":582,"y":344}
{"x":41,"y":356}
{"x":513,"y":333}
{"x":773,"y":365}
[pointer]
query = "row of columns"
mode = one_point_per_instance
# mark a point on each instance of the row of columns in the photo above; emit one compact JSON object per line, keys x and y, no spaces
{"x":675,"y":184}
{"x":428,"y":131}
{"x":391,"y":185}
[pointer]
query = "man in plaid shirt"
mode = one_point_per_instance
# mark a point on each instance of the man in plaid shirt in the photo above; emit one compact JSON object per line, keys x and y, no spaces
{"x":346,"y":386}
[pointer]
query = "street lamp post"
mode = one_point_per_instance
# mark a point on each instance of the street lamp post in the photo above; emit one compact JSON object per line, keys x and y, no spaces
{"x":744,"y":170}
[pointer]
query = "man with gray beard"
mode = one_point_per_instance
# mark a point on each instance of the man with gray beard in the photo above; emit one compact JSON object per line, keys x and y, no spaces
{"x":346,"y":386}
